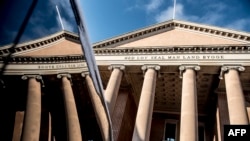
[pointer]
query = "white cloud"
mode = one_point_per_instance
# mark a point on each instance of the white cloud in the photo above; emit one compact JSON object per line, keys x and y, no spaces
{"x":179,"y":14}
{"x":214,"y":15}
{"x":153,"y":5}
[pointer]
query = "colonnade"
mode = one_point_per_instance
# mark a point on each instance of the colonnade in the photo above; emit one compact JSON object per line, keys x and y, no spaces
{"x":189,"y":113}
{"x":188,"y":116}
{"x":32,"y":118}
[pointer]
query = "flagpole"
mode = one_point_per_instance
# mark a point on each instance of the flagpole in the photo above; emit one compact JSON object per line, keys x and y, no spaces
{"x":174,"y":9}
{"x":60,"y":19}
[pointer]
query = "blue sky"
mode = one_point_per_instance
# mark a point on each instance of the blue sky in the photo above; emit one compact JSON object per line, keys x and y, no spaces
{"x":106,"y":19}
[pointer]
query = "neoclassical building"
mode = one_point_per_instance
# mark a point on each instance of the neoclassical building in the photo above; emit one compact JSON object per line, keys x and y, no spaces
{"x":173,"y":81}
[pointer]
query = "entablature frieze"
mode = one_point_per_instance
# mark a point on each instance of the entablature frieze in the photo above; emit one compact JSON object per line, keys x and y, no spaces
{"x":44,"y":69}
{"x":215,"y":59}
{"x":42,"y":64}
{"x":41,"y":59}
{"x":170,"y":49}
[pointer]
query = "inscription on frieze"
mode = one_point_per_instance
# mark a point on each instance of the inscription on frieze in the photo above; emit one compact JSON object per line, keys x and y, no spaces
{"x":62,"y":66}
{"x":175,"y":57}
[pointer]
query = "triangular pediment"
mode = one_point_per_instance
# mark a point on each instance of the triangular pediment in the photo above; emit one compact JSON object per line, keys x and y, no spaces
{"x":63,"y":43}
{"x":176,"y":33}
{"x":60,"y":48}
{"x":179,"y":37}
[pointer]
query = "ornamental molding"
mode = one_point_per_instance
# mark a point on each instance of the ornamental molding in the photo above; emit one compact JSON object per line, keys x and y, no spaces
{"x":42,"y":60}
{"x":177,"y":49}
{"x":170,"y":25}
{"x":12,"y":48}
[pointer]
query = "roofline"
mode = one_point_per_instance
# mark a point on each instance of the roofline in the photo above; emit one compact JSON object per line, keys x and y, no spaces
{"x":11,"y":48}
{"x":170,"y":25}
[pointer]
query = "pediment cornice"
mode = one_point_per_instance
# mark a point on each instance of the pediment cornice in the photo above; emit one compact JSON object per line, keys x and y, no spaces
{"x":175,"y":49}
{"x":42,"y":59}
{"x":170,"y":25}
{"x":11,"y":49}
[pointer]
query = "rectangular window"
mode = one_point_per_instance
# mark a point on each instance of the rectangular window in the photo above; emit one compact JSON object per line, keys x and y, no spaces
{"x":170,"y":132}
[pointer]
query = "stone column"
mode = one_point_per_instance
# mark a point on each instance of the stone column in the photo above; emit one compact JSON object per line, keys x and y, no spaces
{"x":146,"y":104}
{"x":31,"y":130}
{"x":235,"y":97}
{"x":102,"y":118}
{"x":73,"y":125}
{"x":189,"y":117}
{"x":113,"y":86}
{"x":18,"y":126}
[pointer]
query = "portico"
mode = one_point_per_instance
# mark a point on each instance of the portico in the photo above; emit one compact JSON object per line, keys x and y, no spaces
{"x":171,"y":81}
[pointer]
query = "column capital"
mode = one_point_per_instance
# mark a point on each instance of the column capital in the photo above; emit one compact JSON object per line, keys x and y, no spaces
{"x":182,"y":68}
{"x":144,"y":68}
{"x":155,"y":67}
{"x":225,"y":69}
{"x":83,"y":74}
{"x":116,"y":66}
{"x":38,"y":77}
{"x":67,"y":75}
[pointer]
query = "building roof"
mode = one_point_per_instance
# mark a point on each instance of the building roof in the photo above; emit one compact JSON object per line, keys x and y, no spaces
{"x":42,"y":44}
{"x":226,"y":35}
{"x":169,"y":33}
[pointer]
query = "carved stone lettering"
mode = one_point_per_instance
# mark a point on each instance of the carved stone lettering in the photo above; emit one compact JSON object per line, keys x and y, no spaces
{"x":60,"y":66}
{"x":175,"y":57}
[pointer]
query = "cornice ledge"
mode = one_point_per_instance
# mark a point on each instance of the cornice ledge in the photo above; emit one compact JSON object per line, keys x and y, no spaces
{"x":218,"y":31}
{"x":37,"y":60}
{"x":178,"y":49}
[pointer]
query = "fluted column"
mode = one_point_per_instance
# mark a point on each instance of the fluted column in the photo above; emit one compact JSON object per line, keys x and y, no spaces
{"x":32,"y":119}
{"x":146,"y":104}
{"x":73,"y":125}
{"x":189,"y":119}
{"x":235,"y":97}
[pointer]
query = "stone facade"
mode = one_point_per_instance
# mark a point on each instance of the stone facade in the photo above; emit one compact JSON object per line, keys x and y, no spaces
{"x":171,"y":81}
